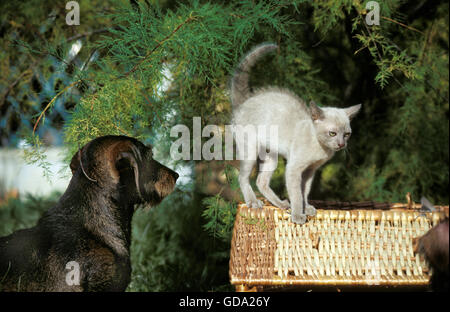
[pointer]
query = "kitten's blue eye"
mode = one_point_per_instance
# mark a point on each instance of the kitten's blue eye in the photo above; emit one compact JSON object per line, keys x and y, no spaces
{"x":332,"y":133}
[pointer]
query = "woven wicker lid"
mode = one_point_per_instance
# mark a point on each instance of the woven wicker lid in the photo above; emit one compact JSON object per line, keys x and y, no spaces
{"x":362,"y":244}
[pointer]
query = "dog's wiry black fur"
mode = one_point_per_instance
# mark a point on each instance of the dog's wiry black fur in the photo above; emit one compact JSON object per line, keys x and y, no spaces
{"x":434,"y":246}
{"x":91,"y":223}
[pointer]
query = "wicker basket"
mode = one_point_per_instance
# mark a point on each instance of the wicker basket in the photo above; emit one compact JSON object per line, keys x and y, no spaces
{"x":350,"y":244}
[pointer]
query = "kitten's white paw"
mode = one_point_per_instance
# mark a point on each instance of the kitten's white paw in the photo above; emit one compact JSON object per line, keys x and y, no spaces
{"x":255,"y":204}
{"x":298,"y":218}
{"x":310,"y":210}
{"x":285,"y":204}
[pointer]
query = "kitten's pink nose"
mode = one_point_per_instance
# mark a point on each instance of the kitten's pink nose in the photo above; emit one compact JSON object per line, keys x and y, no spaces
{"x":341,"y":145}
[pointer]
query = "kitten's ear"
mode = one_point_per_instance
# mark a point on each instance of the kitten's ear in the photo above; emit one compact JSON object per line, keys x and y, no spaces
{"x":352,"y":111}
{"x":316,"y":112}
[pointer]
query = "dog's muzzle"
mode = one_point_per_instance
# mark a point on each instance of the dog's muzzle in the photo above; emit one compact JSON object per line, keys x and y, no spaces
{"x":161,"y":185}
{"x":165,"y":184}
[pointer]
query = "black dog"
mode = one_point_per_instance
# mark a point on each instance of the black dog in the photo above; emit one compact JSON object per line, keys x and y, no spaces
{"x":83,"y":243}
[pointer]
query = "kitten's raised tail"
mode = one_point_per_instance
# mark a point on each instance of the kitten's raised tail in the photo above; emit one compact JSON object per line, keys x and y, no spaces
{"x":239,"y":82}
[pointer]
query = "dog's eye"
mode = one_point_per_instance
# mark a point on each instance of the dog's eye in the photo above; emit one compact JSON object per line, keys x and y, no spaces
{"x":332,"y":133}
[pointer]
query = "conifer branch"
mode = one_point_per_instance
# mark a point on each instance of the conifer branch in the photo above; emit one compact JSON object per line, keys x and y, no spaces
{"x":87,"y":34}
{"x":15,"y":82}
{"x":401,"y":24}
{"x":51,"y":102}
{"x":135,"y":67}
{"x":121,"y":130}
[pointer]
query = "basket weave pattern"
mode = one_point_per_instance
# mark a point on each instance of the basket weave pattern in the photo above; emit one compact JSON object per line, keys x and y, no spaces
{"x":336,"y":247}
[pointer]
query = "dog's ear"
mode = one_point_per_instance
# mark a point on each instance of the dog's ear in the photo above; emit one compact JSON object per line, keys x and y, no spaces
{"x":133,"y":163}
{"x":129,"y":155}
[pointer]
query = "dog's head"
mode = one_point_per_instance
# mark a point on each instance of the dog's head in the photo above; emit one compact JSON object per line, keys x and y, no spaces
{"x":127,"y":164}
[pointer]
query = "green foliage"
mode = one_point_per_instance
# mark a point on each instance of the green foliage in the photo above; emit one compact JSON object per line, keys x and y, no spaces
{"x":121,"y":113}
{"x":35,"y":154}
{"x":397,"y":70}
{"x":36,"y":65}
{"x":17,"y":213}
{"x":170,"y":250}
{"x":220,"y":215}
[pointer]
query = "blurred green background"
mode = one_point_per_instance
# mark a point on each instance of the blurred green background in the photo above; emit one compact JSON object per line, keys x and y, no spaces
{"x":140,"y":67}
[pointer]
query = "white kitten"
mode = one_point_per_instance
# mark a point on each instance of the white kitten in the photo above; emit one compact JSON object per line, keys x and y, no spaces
{"x":307,"y":137}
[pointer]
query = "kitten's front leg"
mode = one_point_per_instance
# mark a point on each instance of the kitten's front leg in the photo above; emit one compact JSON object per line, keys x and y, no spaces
{"x":293,"y":185}
{"x":307,"y":178}
{"x":266,"y":169}
{"x":251,"y":201}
